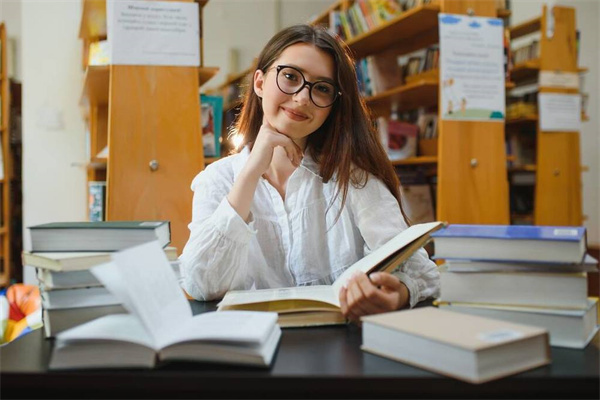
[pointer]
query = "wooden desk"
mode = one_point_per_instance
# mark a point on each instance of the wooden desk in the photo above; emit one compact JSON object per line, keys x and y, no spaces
{"x":311,"y":363}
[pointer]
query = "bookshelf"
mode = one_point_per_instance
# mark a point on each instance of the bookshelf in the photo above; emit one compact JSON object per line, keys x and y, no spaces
{"x":556,"y":168}
{"x":5,"y":178}
{"x":470,"y":167}
{"x":143,"y":131}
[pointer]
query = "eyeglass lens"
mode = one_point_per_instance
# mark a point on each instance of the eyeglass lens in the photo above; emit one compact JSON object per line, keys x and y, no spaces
{"x":291,"y":81}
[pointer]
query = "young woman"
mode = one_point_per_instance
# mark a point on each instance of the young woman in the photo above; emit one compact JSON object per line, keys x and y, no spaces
{"x":311,"y":192}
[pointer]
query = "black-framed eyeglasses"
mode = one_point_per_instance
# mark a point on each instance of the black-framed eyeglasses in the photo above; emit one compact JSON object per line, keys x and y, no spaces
{"x":290,"y":80}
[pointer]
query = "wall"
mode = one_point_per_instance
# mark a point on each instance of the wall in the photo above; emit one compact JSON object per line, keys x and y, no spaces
{"x":587,"y":14}
{"x":246,"y":26}
{"x":10,"y":14}
{"x":53,"y":129}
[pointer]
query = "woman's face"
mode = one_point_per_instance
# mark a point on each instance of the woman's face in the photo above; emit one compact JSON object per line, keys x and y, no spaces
{"x":295,"y":115}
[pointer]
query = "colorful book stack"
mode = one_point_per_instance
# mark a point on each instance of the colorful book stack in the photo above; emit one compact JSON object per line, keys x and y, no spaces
{"x":534,"y":275}
{"x":63,"y":254}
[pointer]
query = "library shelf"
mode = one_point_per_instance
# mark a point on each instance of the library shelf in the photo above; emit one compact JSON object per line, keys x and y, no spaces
{"x":530,"y":68}
{"x":529,"y":119}
{"x":523,"y":168}
{"x":95,"y":87}
{"x":419,"y":24}
{"x":525,"y":28}
{"x":416,"y":160}
{"x":421,"y":93}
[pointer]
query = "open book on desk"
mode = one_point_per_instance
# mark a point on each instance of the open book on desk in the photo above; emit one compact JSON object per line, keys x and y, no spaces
{"x":319,"y":305}
{"x":160,"y":325}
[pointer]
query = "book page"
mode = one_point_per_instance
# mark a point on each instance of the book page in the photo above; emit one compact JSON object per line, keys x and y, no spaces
{"x":108,"y":274}
{"x":370,"y":262}
{"x":155,"y":295}
{"x":239,"y":327}
{"x":317,"y":293}
{"x":116,"y":327}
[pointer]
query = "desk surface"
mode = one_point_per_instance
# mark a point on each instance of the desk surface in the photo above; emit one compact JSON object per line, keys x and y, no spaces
{"x":311,"y":363}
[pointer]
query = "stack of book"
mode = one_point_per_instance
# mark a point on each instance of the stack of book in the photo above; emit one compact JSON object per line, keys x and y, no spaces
{"x":534,"y":275}
{"x":63,"y":254}
{"x":161,"y":326}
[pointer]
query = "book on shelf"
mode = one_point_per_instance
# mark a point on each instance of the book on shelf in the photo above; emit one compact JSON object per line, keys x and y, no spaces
{"x":384,"y":72}
{"x":75,"y":261}
{"x":466,"y":347}
{"x":401,"y":139}
{"x":335,"y":24}
{"x":96,"y":201}
{"x":542,"y":289}
{"x":160,"y":325}
{"x":212,"y":120}
{"x":428,"y":125}
{"x":567,"y":328}
{"x":319,"y":305}
{"x":511,"y":243}
{"x":64,"y":309}
{"x":589,"y":264}
{"x":97,"y":236}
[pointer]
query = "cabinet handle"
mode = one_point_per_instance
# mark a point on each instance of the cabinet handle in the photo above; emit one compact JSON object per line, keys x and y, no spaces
{"x":556,"y":172}
{"x":153,"y":165}
{"x":474,"y":162}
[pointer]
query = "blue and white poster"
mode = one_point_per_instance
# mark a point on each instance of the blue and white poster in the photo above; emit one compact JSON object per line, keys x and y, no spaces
{"x":471,"y":68}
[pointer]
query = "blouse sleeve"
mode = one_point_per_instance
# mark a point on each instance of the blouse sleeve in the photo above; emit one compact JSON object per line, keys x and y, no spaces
{"x":379,"y":219}
{"x":214,"y":259}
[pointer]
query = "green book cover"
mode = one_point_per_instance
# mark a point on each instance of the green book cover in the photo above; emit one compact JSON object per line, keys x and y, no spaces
{"x":102,"y":225}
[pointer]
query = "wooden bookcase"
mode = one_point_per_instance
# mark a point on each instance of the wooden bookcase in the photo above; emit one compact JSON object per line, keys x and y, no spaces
{"x":472,"y":182}
{"x":149,"y":117}
{"x":557,"y":196}
{"x":470,"y":166}
{"x":5,"y":179}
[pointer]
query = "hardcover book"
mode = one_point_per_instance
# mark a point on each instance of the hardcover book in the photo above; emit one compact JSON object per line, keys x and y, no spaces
{"x":319,"y":305}
{"x":567,"y":328}
{"x":557,"y":289}
{"x":97,"y":236}
{"x":75,"y":261}
{"x":565,"y":244}
{"x":465,"y":347}
{"x":212,"y":121}
{"x":160,"y":325}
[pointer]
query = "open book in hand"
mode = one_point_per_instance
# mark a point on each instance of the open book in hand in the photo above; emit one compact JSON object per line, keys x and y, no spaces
{"x":319,"y":305}
{"x":160,"y":325}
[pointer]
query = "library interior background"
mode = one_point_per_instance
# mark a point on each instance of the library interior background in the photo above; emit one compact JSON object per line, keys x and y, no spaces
{"x":533,"y":160}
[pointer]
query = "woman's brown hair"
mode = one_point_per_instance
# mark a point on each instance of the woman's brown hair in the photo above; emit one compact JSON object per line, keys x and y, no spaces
{"x":346,"y":146}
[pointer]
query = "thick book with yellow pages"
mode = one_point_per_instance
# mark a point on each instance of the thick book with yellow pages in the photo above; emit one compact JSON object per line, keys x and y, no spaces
{"x":467,"y":347}
{"x":319,"y":305}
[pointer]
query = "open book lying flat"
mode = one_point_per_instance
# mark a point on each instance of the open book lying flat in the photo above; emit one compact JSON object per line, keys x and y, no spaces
{"x":319,"y":305}
{"x":160,"y":325}
{"x":121,"y":340}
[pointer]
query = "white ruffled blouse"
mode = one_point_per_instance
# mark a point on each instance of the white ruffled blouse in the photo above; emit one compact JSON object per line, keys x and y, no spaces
{"x":291,"y":242}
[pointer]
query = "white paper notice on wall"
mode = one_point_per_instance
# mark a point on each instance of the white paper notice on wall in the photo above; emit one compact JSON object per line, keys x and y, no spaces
{"x":472,"y":74}
{"x":559,"y":112}
{"x":153,"y":33}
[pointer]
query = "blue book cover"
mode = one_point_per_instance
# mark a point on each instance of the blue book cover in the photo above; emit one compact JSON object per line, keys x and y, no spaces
{"x":211,"y":119}
{"x":513,"y":232}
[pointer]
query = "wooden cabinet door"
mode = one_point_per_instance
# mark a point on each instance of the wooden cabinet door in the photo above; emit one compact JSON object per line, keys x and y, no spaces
{"x":155,"y":148}
{"x":472,"y":178}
